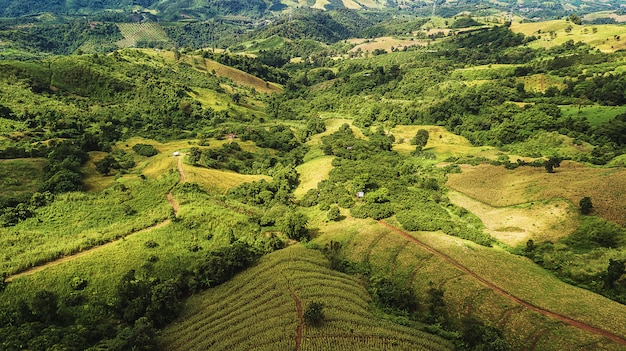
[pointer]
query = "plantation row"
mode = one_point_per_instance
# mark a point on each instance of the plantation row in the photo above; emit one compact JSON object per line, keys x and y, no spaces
{"x":258,"y":311}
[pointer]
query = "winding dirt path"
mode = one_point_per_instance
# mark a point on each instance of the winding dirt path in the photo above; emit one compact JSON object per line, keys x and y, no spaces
{"x":300,"y":313}
{"x":500,"y":291}
{"x":170,"y":199}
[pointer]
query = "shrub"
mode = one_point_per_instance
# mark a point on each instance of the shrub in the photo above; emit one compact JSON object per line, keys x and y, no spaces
{"x":145,"y":150}
{"x":314,"y":314}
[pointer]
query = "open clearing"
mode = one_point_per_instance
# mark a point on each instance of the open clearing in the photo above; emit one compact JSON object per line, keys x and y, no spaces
{"x":539,"y":221}
{"x":313,"y":172}
{"x":440,"y":141}
{"x":499,"y":187}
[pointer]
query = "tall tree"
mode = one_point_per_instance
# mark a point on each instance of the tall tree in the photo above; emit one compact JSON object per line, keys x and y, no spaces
{"x":420,"y":139}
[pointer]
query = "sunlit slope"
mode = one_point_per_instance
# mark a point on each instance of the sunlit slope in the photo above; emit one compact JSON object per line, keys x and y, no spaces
{"x":261,"y":309}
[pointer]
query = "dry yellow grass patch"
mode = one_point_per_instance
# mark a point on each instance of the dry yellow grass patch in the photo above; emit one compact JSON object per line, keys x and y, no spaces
{"x":440,"y":141}
{"x":313,"y":172}
{"x":497,"y":186}
{"x":384,"y":43}
{"x":240,"y":77}
{"x":219,"y":180}
{"x":349,"y":4}
{"x":320,"y":4}
{"x":540,"y":221}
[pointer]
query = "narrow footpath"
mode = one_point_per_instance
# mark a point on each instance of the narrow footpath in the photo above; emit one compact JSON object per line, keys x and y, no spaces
{"x":170,"y":199}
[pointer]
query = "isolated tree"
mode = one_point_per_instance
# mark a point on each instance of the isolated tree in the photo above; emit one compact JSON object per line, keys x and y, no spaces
{"x":585,"y":205}
{"x":332,"y":251}
{"x":552,"y":163}
{"x":420,"y":139}
{"x":314,"y":314}
{"x":614,"y":271}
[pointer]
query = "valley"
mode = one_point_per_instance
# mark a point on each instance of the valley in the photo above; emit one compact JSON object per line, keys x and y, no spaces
{"x":312,"y":175}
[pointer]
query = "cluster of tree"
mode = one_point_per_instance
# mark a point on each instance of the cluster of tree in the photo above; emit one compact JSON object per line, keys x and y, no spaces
{"x":252,"y":65}
{"x":63,"y":38}
{"x":278,"y":191}
{"x":592,"y":237}
{"x":233,"y":158}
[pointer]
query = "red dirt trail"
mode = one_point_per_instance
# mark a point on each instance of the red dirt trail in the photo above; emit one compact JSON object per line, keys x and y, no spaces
{"x":500,"y":291}
{"x":170,"y":199}
{"x":300,"y":313}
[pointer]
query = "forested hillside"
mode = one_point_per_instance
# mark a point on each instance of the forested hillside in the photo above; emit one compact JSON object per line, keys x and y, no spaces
{"x":324,"y":179}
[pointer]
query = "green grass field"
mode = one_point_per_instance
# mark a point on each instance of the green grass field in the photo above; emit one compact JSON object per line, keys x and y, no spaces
{"x":20,"y":177}
{"x":606,"y":37}
{"x":78,"y":221}
{"x":140,"y":32}
{"x":595,"y":114}
{"x":260,"y":310}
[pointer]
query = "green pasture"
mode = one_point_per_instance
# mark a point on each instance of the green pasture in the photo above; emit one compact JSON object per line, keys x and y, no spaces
{"x":595,"y":114}
{"x":78,"y":221}
{"x":386,"y":252}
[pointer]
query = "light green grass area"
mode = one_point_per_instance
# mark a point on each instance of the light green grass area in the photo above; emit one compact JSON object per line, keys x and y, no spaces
{"x":313,"y":172}
{"x":492,"y":71}
{"x":140,"y":32}
{"x":77,"y":221}
{"x":595,"y":114}
{"x":258,"y":310}
{"x":20,"y":176}
{"x":211,"y":98}
{"x":11,"y":126}
{"x":271,"y":43}
{"x":541,"y":82}
{"x":202,"y":225}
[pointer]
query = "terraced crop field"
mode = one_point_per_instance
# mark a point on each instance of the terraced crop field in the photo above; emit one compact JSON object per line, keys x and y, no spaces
{"x":261,"y":309}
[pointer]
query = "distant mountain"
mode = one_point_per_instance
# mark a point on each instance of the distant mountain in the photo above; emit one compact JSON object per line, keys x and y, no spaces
{"x":169,"y":10}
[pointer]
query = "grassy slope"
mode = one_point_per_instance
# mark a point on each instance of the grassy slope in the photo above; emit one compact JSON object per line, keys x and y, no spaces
{"x":386,"y":251}
{"x":20,"y":176}
{"x":605,"y":38}
{"x":258,"y":310}
{"x":499,"y":187}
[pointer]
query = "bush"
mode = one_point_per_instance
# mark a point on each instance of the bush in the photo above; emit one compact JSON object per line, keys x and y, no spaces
{"x":314,"y":314}
{"x":145,"y":150}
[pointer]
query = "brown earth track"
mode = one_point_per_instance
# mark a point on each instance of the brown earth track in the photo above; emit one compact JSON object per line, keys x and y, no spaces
{"x":506,"y":294}
{"x":300,"y":313}
{"x":170,"y":199}
{"x":36,"y":269}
